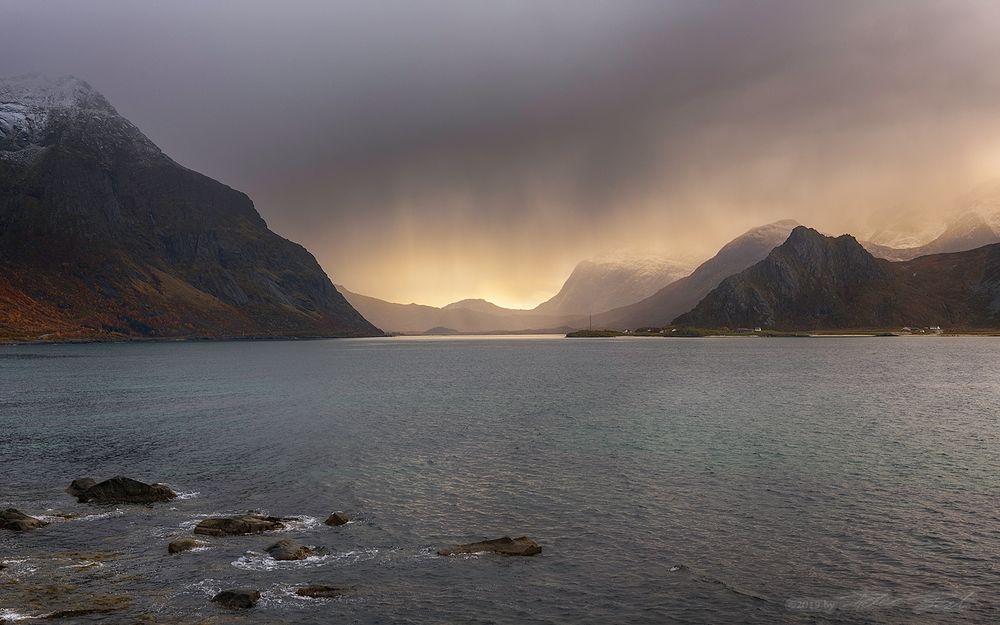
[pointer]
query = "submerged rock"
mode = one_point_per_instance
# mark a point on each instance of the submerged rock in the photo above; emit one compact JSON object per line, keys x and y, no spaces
{"x":289,"y":550}
{"x":505,"y":546}
{"x":184,"y":544}
{"x":337,"y":518}
{"x":238,"y":526}
{"x":238,"y":598}
{"x":319,"y":592}
{"x":17,"y":521}
{"x":121,"y":490}
{"x":80,"y":486}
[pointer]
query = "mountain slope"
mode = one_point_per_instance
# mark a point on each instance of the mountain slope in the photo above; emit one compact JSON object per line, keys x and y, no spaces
{"x":103,"y":236}
{"x":815,"y":282}
{"x":600,"y":285}
{"x":680,"y":296}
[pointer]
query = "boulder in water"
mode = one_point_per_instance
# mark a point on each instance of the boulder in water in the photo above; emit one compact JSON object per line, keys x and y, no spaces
{"x":185,"y":543}
{"x":238,"y":526}
{"x":121,"y":490}
{"x":80,"y":486}
{"x":17,"y":521}
{"x":337,"y":518}
{"x":319,"y":592}
{"x":289,"y":550}
{"x":505,"y":546}
{"x":237,"y":598}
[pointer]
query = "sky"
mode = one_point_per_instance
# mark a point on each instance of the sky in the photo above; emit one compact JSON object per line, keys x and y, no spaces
{"x":435,"y":150}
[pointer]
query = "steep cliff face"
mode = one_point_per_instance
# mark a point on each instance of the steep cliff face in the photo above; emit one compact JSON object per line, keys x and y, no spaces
{"x":104,"y":236}
{"x":813,"y":282}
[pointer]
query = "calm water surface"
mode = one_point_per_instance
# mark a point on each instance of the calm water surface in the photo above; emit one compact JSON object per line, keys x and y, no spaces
{"x":669,"y":480}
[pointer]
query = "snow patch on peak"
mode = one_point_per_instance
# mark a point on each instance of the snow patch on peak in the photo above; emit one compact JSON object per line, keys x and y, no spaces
{"x":36,"y":91}
{"x":28,"y":101}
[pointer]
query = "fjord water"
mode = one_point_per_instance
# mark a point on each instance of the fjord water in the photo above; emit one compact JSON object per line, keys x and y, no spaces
{"x":668,"y":480}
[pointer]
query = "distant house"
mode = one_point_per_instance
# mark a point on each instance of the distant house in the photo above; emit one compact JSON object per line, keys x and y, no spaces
{"x":935,"y":330}
{"x":744,"y":331}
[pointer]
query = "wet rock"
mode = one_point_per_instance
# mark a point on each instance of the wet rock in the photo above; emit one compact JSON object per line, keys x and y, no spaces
{"x":505,"y":546}
{"x":184,"y":544}
{"x":80,"y":486}
{"x":238,"y":526}
{"x":289,"y":550}
{"x":319,"y":592}
{"x":123,"y":490}
{"x":17,"y":521}
{"x":238,"y":598}
{"x":337,"y":518}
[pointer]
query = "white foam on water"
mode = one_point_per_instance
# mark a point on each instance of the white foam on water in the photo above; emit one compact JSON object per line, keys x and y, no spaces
{"x":253,"y":561}
{"x":296,"y":523}
{"x":207,"y":587}
{"x":7,"y":615}
{"x":188,"y":495}
{"x":83,"y":565}
{"x":98,"y":516}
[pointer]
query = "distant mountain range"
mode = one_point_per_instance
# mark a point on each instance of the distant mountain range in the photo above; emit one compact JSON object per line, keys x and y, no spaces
{"x":594,"y":285}
{"x":103,"y":236}
{"x":812,"y":281}
{"x":466,"y":316}
{"x":682,"y":295}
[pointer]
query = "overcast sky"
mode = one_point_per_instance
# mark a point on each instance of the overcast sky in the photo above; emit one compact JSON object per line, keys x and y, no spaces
{"x":434,"y":150}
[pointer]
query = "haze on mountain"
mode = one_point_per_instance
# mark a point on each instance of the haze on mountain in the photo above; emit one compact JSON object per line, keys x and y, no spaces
{"x":682,"y":295}
{"x":104,"y":236}
{"x":812,"y":281}
{"x":594,"y":285}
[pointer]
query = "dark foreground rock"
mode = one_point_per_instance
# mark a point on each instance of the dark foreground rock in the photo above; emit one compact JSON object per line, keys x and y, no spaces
{"x":505,"y":546}
{"x":289,"y":550}
{"x":184,"y":544}
{"x":120,"y":490}
{"x":80,"y":486}
{"x":238,"y":526}
{"x":238,"y":598}
{"x":319,"y":592}
{"x":17,"y":521}
{"x":337,"y":518}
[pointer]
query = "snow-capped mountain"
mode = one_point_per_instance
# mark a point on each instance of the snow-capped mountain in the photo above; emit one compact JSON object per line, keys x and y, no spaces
{"x":102,"y":236}
{"x":609,"y":282}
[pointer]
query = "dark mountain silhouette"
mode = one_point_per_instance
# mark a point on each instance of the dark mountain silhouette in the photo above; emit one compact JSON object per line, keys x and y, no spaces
{"x":814,"y":282}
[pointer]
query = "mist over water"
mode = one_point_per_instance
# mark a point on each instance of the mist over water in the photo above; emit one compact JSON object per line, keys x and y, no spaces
{"x":667,"y":480}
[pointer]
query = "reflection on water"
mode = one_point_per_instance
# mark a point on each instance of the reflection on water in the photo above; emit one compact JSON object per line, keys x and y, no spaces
{"x":699,"y":480}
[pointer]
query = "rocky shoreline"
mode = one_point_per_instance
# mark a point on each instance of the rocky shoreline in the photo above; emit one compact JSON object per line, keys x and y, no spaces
{"x":208,"y":533}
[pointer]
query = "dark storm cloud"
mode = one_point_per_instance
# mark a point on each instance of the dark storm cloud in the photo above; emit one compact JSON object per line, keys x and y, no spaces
{"x":435,"y":150}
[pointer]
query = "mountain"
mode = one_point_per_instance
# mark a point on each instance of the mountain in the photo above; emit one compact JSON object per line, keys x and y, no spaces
{"x":479,"y":305}
{"x":466,"y":316}
{"x":682,"y":295}
{"x":816,"y":282}
{"x":103,"y":236}
{"x":974,"y":224}
{"x":599,"y":285}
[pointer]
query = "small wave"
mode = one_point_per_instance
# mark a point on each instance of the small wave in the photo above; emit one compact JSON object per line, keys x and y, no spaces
{"x":253,"y":561}
{"x":7,"y":615}
{"x":58,"y":517}
{"x":207,"y":587}
{"x":188,"y":495}
{"x":84,"y":565}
